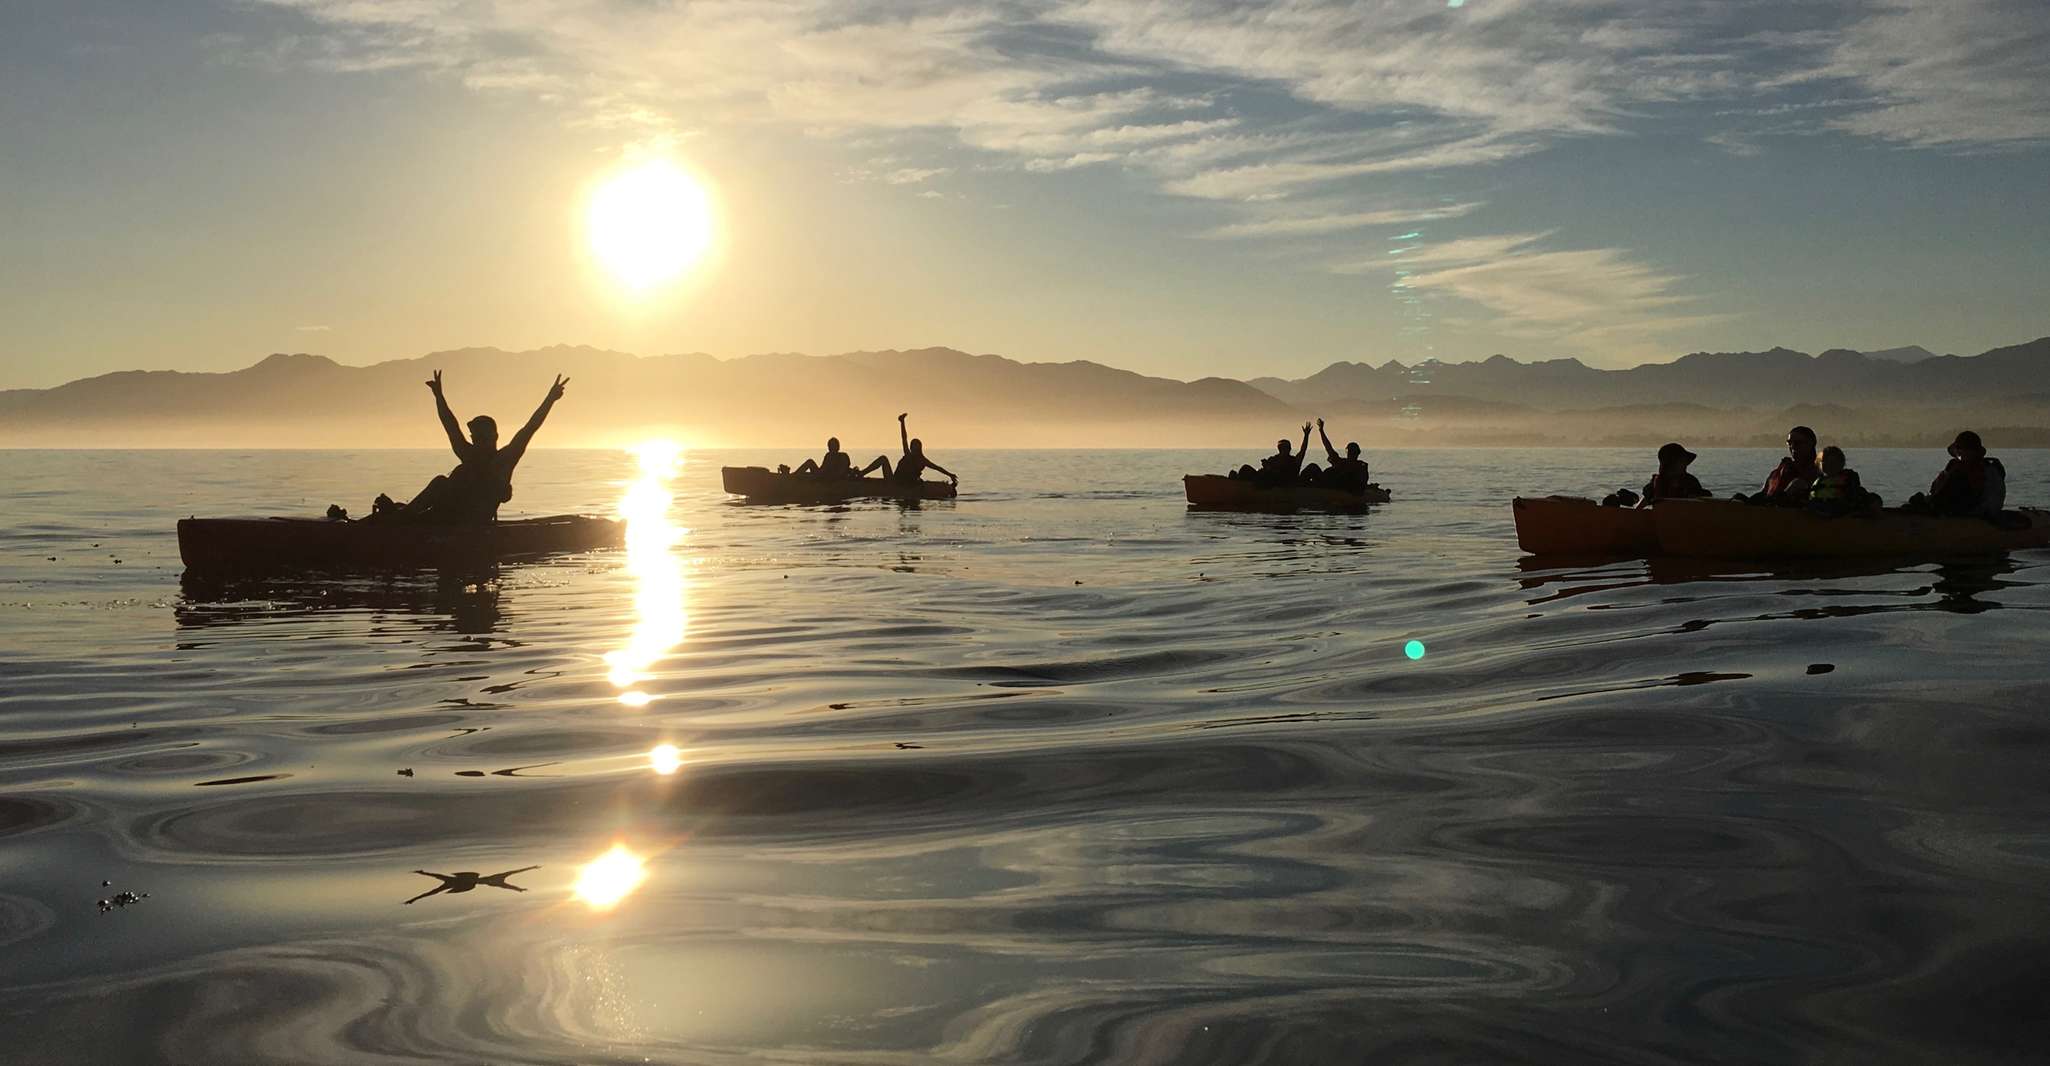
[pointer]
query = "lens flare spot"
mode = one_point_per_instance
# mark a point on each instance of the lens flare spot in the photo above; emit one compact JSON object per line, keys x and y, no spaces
{"x":1414,"y":649}
{"x":666,"y":759}
{"x":635,"y":698}
{"x":610,"y":877}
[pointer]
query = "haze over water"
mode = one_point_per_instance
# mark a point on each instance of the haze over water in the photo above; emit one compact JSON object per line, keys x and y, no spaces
{"x":1059,"y":772}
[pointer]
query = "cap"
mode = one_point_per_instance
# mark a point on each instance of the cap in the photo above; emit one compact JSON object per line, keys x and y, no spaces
{"x":1672,"y":452}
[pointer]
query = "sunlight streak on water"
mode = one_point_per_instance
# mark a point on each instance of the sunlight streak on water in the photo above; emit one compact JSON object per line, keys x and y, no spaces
{"x":610,"y":877}
{"x":660,"y":621}
{"x":666,"y":759}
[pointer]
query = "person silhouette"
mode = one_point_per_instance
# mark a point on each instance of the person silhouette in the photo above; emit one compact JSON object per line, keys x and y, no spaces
{"x":466,"y":880}
{"x":834,"y":465}
{"x":482,"y":479}
{"x":913,"y":464}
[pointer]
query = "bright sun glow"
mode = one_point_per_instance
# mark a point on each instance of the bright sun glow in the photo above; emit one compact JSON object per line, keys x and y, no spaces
{"x":666,"y":759}
{"x":649,"y":224}
{"x":610,"y":877}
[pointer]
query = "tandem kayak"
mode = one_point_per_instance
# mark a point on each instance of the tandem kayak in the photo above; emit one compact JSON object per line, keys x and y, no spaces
{"x":1726,"y":529}
{"x":1576,"y":525}
{"x":1218,"y":492}
{"x":256,"y":545}
{"x":762,"y":485}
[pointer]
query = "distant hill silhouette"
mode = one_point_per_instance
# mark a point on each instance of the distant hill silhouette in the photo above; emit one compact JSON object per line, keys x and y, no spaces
{"x":312,"y":401}
{"x":1898,"y":396}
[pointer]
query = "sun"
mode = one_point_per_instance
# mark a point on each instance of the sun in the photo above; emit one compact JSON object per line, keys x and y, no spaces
{"x":649,"y":224}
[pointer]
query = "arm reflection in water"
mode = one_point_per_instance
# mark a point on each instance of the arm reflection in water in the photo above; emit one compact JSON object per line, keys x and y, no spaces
{"x":465,"y":880}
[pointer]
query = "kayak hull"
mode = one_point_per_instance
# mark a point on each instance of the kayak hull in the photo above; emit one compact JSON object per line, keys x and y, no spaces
{"x":269,"y":545}
{"x":1217,"y":492}
{"x":762,"y":485}
{"x":1726,"y":529}
{"x":1576,"y":525}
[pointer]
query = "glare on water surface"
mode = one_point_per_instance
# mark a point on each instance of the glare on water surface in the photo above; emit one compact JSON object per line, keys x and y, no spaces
{"x":610,"y":877}
{"x":651,"y":538}
{"x":666,"y":759}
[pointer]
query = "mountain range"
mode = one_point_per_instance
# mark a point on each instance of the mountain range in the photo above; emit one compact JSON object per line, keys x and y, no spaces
{"x":1896,"y":396}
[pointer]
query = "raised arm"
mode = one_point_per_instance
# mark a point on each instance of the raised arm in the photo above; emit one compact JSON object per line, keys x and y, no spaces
{"x":517,"y":447}
{"x":903,"y":435}
{"x":1303,"y":449}
{"x":448,"y":419}
{"x":1330,"y":453}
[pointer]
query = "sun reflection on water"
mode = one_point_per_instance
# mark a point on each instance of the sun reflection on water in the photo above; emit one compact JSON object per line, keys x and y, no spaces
{"x":610,"y":877}
{"x":651,"y":538}
{"x":666,"y":759}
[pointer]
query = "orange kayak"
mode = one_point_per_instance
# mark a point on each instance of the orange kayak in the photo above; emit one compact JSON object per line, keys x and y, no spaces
{"x":1575,"y":525}
{"x":1725,"y":529}
{"x":1222,"y":493}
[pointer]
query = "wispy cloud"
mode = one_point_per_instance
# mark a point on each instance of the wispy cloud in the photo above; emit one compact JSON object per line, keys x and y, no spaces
{"x":1949,"y":72}
{"x":312,"y":329}
{"x":1599,"y":298}
{"x":1248,"y":104}
{"x":1308,"y":225}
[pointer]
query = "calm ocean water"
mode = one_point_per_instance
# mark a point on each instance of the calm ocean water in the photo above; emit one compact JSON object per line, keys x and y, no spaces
{"x":1056,"y":773}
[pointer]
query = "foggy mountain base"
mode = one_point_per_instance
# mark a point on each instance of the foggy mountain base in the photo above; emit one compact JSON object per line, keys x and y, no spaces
{"x":1901,"y":397}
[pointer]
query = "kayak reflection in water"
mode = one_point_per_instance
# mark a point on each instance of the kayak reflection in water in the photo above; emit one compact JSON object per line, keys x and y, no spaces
{"x":834,"y":465}
{"x":1281,"y":468}
{"x":471,"y":493}
{"x":914,"y":462}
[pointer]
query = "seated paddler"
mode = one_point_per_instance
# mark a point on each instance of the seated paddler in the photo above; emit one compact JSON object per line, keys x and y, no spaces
{"x":470,"y":494}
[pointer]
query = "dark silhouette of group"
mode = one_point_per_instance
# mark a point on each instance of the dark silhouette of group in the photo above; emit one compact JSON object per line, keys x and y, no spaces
{"x":1345,"y":473}
{"x":908,"y":469}
{"x":1972,"y":484}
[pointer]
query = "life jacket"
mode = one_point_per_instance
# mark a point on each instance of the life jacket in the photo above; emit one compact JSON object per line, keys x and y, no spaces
{"x":1972,"y":487}
{"x":1840,"y":487}
{"x":1680,"y":486}
{"x":1784,"y":476}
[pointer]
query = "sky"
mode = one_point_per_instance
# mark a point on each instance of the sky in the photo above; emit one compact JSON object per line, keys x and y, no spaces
{"x":1183,"y":188}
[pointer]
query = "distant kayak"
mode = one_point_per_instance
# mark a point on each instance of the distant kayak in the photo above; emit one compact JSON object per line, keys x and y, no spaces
{"x":1225,"y":493}
{"x":762,"y":485}
{"x":257,"y":545}
{"x":1726,"y":529}
{"x":1576,"y":525}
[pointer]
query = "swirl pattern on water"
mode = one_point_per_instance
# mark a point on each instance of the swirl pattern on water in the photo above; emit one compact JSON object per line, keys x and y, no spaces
{"x":1043,"y":775}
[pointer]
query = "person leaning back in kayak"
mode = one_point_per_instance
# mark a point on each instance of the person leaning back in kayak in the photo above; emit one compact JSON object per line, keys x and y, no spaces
{"x":1673,"y":482}
{"x":913,"y":464}
{"x":1972,"y":484}
{"x":835,"y":464}
{"x":482,"y":478}
{"x":1789,"y":482}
